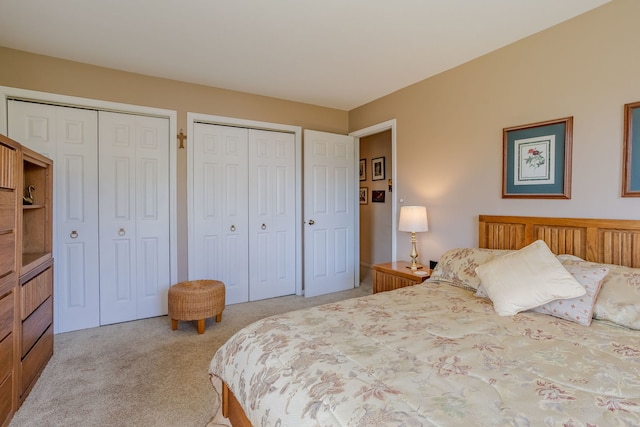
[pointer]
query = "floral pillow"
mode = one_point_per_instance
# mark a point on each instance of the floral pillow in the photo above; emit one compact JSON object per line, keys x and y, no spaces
{"x":619,"y":297}
{"x":580,"y":309}
{"x":458,"y":266}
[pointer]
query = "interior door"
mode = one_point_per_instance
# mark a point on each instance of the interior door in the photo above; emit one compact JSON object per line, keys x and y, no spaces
{"x":134,"y":216}
{"x":219,"y":230}
{"x":69,"y":136}
{"x":329,"y":213}
{"x":272,"y":220}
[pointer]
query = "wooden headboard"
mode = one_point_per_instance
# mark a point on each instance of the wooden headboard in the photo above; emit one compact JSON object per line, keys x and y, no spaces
{"x":610,"y":241}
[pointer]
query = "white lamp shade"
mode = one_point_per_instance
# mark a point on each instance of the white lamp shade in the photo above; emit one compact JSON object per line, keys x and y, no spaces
{"x":413,"y":219}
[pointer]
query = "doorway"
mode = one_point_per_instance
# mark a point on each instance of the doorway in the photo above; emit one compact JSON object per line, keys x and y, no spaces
{"x":376,"y":223}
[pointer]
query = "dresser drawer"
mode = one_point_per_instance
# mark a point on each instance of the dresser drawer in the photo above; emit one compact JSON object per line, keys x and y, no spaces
{"x":7,"y":210}
{"x":6,"y":397}
{"x":6,"y":315}
{"x":36,"y":324}
{"x":36,"y":291}
{"x":36,"y":360}
{"x":7,"y":252}
{"x":6,"y":357}
{"x":8,"y":160}
{"x":8,"y":283}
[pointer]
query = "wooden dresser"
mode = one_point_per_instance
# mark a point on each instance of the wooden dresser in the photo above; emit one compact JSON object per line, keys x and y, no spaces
{"x":26,"y":272}
{"x":394,"y":275}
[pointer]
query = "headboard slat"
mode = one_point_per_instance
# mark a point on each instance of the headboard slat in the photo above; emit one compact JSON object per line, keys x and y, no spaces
{"x":608,"y":241}
{"x":620,"y":247}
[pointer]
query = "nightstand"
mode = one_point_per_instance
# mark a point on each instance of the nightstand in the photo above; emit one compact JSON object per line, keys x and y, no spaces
{"x":395,"y":275}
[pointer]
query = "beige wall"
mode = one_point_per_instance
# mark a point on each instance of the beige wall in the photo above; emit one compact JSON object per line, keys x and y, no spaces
{"x":40,"y":73}
{"x":375,"y":218}
{"x":449,"y":127}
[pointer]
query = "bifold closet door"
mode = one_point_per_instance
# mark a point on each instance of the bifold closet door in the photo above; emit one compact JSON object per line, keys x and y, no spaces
{"x":272,"y":206}
{"x":219,"y":211}
{"x":242,"y":218}
{"x":134,"y":216}
{"x":68,"y":136}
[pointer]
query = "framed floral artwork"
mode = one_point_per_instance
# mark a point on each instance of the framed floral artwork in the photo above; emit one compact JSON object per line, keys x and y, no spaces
{"x":537,"y":160}
{"x":631,"y":153}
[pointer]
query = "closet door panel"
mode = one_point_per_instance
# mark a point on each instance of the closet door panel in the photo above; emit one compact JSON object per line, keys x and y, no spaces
{"x":134,"y":217}
{"x":271,"y":214}
{"x":69,"y":136}
{"x":117,"y":218}
{"x":34,"y":126}
{"x":76,"y":221}
{"x":152,"y":216}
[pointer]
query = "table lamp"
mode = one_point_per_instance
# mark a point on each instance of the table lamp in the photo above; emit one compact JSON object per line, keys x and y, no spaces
{"x":414,"y":220}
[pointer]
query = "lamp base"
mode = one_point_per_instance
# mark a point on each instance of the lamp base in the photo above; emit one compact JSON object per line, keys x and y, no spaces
{"x":414,"y":254}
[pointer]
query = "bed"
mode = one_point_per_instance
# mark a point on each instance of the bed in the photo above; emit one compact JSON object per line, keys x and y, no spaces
{"x":439,"y":353}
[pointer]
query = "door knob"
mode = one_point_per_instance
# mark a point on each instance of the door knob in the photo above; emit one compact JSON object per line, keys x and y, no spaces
{"x":311,"y":222}
{"x":121,"y":232}
{"x":74,"y":234}
{"x":264,"y":226}
{"x":232,"y":228}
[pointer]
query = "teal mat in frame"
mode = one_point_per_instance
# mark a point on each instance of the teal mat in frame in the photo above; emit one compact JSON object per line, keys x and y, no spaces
{"x":631,"y":165}
{"x":537,"y":160}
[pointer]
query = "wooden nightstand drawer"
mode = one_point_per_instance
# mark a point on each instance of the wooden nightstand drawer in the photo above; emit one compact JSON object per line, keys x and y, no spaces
{"x":395,"y":275}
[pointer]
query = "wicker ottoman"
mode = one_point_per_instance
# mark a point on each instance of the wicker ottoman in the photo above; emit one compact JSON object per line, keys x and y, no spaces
{"x":196,"y":300}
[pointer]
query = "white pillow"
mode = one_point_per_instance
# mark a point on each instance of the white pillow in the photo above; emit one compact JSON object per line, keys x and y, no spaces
{"x":526,"y":279}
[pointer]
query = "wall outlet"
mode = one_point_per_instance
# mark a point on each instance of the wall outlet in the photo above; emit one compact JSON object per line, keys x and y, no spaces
{"x":432,"y":264}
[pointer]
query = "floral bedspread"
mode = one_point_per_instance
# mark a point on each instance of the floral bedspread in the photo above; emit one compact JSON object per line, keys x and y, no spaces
{"x":428,"y":355}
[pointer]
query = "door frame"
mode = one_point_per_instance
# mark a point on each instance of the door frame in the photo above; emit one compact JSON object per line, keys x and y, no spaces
{"x":251,"y":124}
{"x":7,"y":93}
{"x":371,"y":130}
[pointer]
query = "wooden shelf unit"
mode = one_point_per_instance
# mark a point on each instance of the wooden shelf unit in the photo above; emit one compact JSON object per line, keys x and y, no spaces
{"x":26,"y":273}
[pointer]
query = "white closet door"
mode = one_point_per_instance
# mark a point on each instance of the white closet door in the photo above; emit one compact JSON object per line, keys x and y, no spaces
{"x":134,"y":216}
{"x":272,"y":220}
{"x":219,"y":211}
{"x":329,"y":212}
{"x":69,"y":136}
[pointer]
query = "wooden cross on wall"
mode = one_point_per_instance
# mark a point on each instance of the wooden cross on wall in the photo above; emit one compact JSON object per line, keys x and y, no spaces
{"x":181,"y":137}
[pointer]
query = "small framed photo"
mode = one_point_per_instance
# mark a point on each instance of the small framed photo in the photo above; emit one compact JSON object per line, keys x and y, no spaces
{"x":537,"y":160}
{"x":377,"y":196}
{"x":631,"y":154}
{"x":363,"y":169}
{"x":377,"y":168}
{"x":363,"y":195}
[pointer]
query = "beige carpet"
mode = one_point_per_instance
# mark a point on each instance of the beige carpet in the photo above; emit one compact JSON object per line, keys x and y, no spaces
{"x":142,"y":373}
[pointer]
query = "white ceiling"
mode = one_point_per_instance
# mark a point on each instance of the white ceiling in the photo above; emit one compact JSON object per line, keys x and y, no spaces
{"x":333,"y":53}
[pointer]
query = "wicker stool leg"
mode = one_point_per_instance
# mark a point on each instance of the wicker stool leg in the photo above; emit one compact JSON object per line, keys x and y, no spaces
{"x":219,"y":317}
{"x":201,"y":326}
{"x":174,"y":324}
